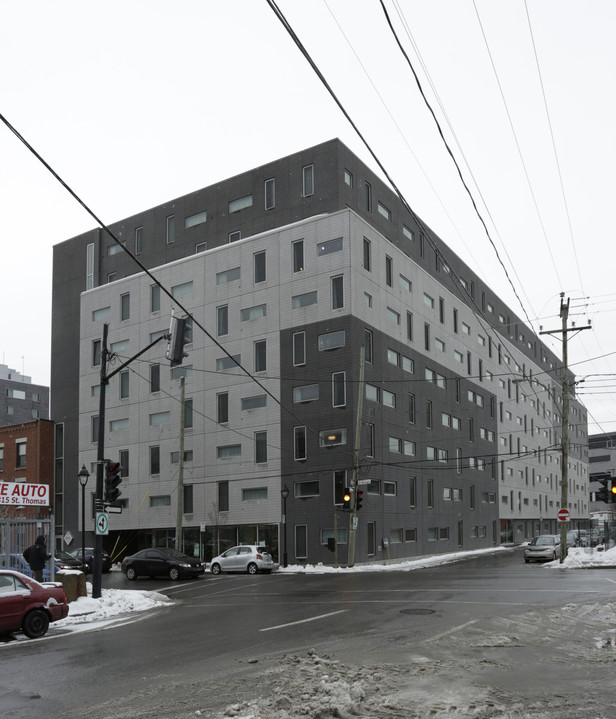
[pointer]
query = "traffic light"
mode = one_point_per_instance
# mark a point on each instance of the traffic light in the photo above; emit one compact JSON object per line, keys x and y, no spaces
{"x":359,"y":496}
{"x":112,"y":479}
{"x":601,"y":495}
{"x":346,"y":498}
{"x":178,"y":337}
{"x":613,"y":492}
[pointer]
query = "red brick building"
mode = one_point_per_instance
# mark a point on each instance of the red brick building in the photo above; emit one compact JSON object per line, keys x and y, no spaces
{"x":27,"y":455}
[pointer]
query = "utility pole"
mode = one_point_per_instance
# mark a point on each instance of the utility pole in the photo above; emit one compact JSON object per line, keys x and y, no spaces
{"x":358,"y":423}
{"x":97,"y":569}
{"x":180,"y":508}
{"x":564,"y":488}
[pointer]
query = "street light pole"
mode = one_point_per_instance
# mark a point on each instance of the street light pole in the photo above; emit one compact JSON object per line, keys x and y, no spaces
{"x":83,"y":475}
{"x":284,"y":492}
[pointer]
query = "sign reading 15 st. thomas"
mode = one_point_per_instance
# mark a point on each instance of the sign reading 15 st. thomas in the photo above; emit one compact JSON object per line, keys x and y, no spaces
{"x":24,"y":494}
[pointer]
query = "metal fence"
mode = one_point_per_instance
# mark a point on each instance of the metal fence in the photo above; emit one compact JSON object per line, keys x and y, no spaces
{"x":18,"y":534}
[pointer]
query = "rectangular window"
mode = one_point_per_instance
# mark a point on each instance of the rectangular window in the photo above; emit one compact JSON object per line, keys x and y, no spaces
{"x":413,"y":491}
{"x":228,"y":362}
{"x":427,"y":336}
{"x":170,"y":229}
{"x":393,"y":357}
{"x":301,"y":541}
{"x":193,"y":220}
{"x":305,"y":300}
{"x":119,"y":425}
{"x":367,"y":255}
{"x":138,"y":240}
{"x":393,"y":316}
{"x":409,"y":326}
{"x":94,"y":428}
{"x":125,"y":307}
{"x":408,"y":233}
{"x":270,"y":194}
{"x":308,"y":175}
{"x":154,"y":460}
{"x":298,"y":256}
{"x":306,"y":393}
{"x":223,"y":278}
{"x":96,"y":353}
{"x":101,"y":314}
{"x":223,"y":496}
{"x":240,"y":204}
{"x":254,"y":402}
{"x":260,"y":354}
{"x":260,"y":447}
{"x":235,"y":236}
{"x":259,"y":267}
{"x":338,"y":389}
{"x":331,"y":437}
{"x":405,"y":283}
{"x":299,"y":349}
{"x":222,"y":407}
{"x":389,"y":489}
{"x":348,"y":178}
{"x":299,"y":443}
{"x":428,"y":414}
{"x":254,"y":494}
{"x":157,"y":418}
{"x":306,"y":489}
{"x":441,"y":310}
{"x":222,"y":320}
{"x":188,"y":413}
{"x":373,"y":393}
{"x":20,"y":448}
{"x":253,"y":313}
{"x":389,"y":271}
{"x":90,"y":266}
{"x":326,"y":248}
{"x":115,"y":249}
{"x":160,"y":501}
{"x":337,"y":292}
{"x":228,"y":451}
{"x":371,"y":439}
{"x":412,"y":408}
{"x":384,"y":211}
{"x":188,"y":499}
{"x":182,"y":290}
{"x":389,"y":398}
{"x":331,"y":340}
{"x":428,"y":301}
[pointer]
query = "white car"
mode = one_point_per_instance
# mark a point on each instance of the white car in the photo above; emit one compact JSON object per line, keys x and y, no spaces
{"x":249,"y":558}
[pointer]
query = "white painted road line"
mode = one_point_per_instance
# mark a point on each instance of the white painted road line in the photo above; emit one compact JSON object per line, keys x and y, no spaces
{"x":303,"y":621}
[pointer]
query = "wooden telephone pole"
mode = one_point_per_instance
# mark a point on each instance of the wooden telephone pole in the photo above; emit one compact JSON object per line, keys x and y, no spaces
{"x":564,"y":488}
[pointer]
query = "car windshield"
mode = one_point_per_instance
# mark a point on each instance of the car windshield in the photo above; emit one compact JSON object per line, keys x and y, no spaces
{"x":543,"y":540}
{"x":171,"y":552}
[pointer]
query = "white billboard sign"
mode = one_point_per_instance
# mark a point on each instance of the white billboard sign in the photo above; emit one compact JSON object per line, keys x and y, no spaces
{"x":25,"y":494}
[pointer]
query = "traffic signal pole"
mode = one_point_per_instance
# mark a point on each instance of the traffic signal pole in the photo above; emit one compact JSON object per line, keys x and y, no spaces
{"x":97,"y":572}
{"x":358,"y":424}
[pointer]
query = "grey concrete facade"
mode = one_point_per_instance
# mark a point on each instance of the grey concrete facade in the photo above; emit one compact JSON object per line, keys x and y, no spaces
{"x":454,"y":452}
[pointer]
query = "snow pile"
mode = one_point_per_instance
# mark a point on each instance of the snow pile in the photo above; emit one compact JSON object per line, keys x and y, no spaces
{"x":388,"y":566}
{"x":585,"y":557}
{"x":113,"y":605}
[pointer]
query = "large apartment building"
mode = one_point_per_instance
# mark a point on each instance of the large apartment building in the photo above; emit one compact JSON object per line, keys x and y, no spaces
{"x":20,"y":400}
{"x":335,"y":339}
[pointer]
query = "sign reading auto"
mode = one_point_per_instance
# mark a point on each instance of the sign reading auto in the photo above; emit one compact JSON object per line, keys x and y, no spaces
{"x":24,"y":493}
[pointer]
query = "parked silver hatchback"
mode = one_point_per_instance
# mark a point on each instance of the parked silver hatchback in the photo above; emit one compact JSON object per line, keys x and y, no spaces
{"x":545,"y":547}
{"x":249,"y":558}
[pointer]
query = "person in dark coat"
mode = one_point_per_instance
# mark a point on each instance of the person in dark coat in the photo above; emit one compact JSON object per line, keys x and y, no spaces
{"x":36,"y":556}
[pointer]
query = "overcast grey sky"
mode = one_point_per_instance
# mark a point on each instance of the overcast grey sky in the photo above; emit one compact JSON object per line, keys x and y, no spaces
{"x":135,"y":103}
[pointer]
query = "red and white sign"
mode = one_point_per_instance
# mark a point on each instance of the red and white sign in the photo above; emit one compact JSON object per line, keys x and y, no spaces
{"x":563,"y":515}
{"x":24,"y":494}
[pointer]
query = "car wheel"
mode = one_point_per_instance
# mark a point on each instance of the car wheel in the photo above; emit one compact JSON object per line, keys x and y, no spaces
{"x":215,"y":568}
{"x":131,"y":574}
{"x":252,"y":568}
{"x":36,"y":624}
{"x":526,"y":560}
{"x":174,"y":573}
{"x":554,"y":557}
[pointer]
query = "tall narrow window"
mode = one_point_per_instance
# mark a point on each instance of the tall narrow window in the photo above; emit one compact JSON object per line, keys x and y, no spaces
{"x":298,"y":256}
{"x":389,"y":271}
{"x":409,"y":326}
{"x":96,"y":353}
{"x":299,"y":348}
{"x":441,"y":310}
{"x":188,"y":413}
{"x":308,"y":174}
{"x":411,"y":408}
{"x":339,"y":389}
{"x":299,"y":441}
{"x":170,"y":229}
{"x":125,"y":306}
{"x":260,"y":349}
{"x":371,"y":439}
{"x":368,"y":346}
{"x":260,"y":447}
{"x":188,"y":499}
{"x":155,"y":460}
{"x":138,"y":240}
{"x":259,"y":267}
{"x":222,"y":320}
{"x":367,"y":255}
{"x":90,"y":266}
{"x":124,"y":384}
{"x":337,"y":292}
{"x":430,"y":488}
{"x":368,"y":196}
{"x":222,"y":407}
{"x":428,"y":414}
{"x":427,"y":336}
{"x":154,"y":378}
{"x":270,"y":194}
{"x":154,"y":298}
{"x":223,"y":496}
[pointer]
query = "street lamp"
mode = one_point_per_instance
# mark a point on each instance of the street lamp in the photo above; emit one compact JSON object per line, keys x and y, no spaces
{"x":83,"y":475}
{"x":284,"y":492}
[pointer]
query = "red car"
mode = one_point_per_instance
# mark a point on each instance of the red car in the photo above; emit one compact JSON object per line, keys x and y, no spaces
{"x":27,"y":606}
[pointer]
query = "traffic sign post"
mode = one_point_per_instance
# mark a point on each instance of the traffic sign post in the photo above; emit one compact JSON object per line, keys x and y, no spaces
{"x":563,"y":515}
